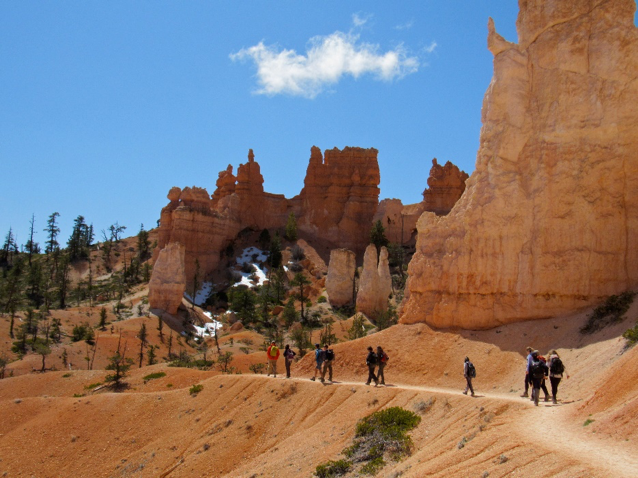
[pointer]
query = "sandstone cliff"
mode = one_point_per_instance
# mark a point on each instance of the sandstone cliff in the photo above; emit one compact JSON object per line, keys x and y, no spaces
{"x":549,"y":220}
{"x":340,"y":280}
{"x":375,"y":284}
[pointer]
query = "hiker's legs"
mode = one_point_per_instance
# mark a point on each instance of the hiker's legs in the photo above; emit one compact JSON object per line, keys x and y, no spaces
{"x":554,"y":381}
{"x":468,"y":386}
{"x":544,"y":388}
{"x":288,"y":362}
{"x":327,"y":367}
{"x":380,"y":375}
{"x":371,"y":375}
{"x":269,"y":367}
{"x":528,"y":382}
{"x":272,"y":367}
{"x":536,"y":384}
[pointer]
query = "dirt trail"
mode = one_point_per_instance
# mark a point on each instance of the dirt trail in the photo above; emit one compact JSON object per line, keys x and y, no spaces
{"x":551,"y":423}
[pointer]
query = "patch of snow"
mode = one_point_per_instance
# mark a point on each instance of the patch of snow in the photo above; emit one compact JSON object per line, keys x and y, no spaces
{"x":247,"y":256}
{"x":209,"y":328}
{"x":259,"y":271}
{"x":202,"y":294}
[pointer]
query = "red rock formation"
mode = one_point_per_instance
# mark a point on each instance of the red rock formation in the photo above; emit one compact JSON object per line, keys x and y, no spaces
{"x":340,"y":280}
{"x":445,"y":186}
{"x":374,"y":288}
{"x":340,"y":196}
{"x":168,"y":281}
{"x":225,"y":184}
{"x":549,"y":220}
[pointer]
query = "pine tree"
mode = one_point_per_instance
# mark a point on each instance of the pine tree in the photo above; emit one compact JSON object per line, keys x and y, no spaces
{"x":102,"y":323}
{"x":377,"y":236}
{"x":291,"y":228}
{"x":274,"y":256}
{"x":52,"y":231}
{"x":80,"y":240}
{"x":32,"y":247}
{"x":143,"y":245}
{"x":142,"y":335}
{"x":300,"y":280}
{"x":119,"y":363}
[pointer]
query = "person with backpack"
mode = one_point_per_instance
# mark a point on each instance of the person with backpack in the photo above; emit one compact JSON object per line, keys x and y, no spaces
{"x":556,"y":371}
{"x":528,"y":377}
{"x":319,"y":358}
{"x":538,"y":370}
{"x":273,"y":355}
{"x":329,"y":356}
{"x":383,"y":360}
{"x":469,"y":372}
{"x":543,"y":386}
{"x":371,"y":362}
{"x":289,"y":356}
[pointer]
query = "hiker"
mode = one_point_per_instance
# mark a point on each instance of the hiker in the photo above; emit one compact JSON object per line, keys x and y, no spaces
{"x":543,"y":386}
{"x":289,"y":356}
{"x":371,"y":362}
{"x":537,"y":371}
{"x":273,"y":355}
{"x":528,"y":377}
{"x":469,"y":372}
{"x":383,"y":360}
{"x":319,"y":358}
{"x":556,"y":371}
{"x":329,"y":356}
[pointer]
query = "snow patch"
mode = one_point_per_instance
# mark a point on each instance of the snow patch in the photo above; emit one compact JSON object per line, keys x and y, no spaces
{"x":202,"y":294}
{"x":258,"y":271}
{"x":209,"y":328}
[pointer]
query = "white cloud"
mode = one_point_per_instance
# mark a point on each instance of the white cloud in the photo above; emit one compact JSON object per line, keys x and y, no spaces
{"x":405,"y":26}
{"x":431,"y":47}
{"x":360,"y":20}
{"x":327,"y":60}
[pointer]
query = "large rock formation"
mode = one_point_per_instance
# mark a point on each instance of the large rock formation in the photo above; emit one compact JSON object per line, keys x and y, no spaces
{"x":374,"y":289}
{"x":168,"y":280}
{"x":340,"y":280}
{"x":445,"y":186}
{"x":340,"y":196}
{"x":549,"y":220}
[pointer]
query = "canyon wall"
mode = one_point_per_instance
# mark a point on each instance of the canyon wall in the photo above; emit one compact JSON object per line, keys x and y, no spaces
{"x":549,"y":220}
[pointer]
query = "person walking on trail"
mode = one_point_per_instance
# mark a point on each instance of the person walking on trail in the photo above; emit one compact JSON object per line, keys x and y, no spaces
{"x":382,"y":358}
{"x":469,"y":372}
{"x":273,"y":355}
{"x":319,"y":358}
{"x":556,"y":371}
{"x":289,"y":356}
{"x":329,"y":356}
{"x":543,"y":386}
{"x":371,"y":362}
{"x":537,"y":371}
{"x":528,"y":377}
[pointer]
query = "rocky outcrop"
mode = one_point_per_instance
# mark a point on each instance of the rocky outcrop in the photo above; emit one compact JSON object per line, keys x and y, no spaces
{"x":372,"y":298}
{"x":168,"y":280}
{"x":549,"y":221}
{"x":340,"y":280}
{"x":340,"y":196}
{"x":445,"y":186}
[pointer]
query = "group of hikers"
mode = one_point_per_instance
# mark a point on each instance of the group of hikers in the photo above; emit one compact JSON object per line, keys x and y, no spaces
{"x":538,"y":368}
{"x":324,"y":358}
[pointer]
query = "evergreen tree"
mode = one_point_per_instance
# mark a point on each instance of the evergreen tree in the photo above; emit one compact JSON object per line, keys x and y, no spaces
{"x":102,"y":323}
{"x":291,"y":228}
{"x":301,"y":281}
{"x":32,"y":247}
{"x":116,"y":231}
{"x":142,"y":335}
{"x":119,"y":363}
{"x":9,"y":249}
{"x":80,"y":240}
{"x":301,"y":338}
{"x":10,"y":292}
{"x":143,"y":245}
{"x":62,"y":280}
{"x":52,"y":231}
{"x":274,"y":256}
{"x":264,"y":239}
{"x":289,"y":314}
{"x":43,"y":350}
{"x":377,"y":236}
{"x":151,"y":355}
{"x":278,"y":284}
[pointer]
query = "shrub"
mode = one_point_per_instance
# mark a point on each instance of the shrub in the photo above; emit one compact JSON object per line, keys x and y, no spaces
{"x":588,"y":422}
{"x":423,"y":406}
{"x":257,"y":367}
{"x":332,"y":469}
{"x":295,"y":267}
{"x":67,"y":375}
{"x":195,"y":389}
{"x":631,"y":335}
{"x":322,"y":299}
{"x":609,"y":312}
{"x":298,"y":254}
{"x":92,"y":386}
{"x":153,"y":376}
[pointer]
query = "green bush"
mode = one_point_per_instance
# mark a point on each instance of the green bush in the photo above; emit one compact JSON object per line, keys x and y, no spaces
{"x":322,"y":299}
{"x":153,"y":376}
{"x":631,"y":335}
{"x":195,"y":389}
{"x":373,"y":466}
{"x":92,"y":386}
{"x":332,"y":469}
{"x":609,"y":312}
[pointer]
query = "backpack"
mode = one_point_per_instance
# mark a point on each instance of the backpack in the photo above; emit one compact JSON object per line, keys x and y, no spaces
{"x":384,"y":357}
{"x":537,"y":370}
{"x":273,"y":351}
{"x":330,"y":355}
{"x":320,"y":356}
{"x":471,"y":371}
{"x":557,"y":367}
{"x":372,"y":358}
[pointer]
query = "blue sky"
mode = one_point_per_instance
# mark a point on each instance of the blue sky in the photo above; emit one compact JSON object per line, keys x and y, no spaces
{"x":104,"y":106}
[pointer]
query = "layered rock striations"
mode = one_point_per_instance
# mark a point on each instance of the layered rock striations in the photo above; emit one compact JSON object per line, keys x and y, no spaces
{"x":375,"y":283}
{"x":340,"y":280}
{"x":168,"y":280}
{"x":549,"y":220}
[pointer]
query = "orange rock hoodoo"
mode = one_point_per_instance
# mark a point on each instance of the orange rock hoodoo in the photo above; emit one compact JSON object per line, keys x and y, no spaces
{"x":549,"y":220}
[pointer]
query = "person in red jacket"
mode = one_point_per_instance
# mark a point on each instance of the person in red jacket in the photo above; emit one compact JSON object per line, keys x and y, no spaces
{"x":273,"y":355}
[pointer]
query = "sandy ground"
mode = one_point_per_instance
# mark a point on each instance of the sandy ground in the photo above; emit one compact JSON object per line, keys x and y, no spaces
{"x":252,"y":425}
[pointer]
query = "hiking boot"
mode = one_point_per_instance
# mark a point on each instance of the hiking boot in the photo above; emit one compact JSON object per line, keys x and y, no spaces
{"x":525,"y":395}
{"x":472,"y":393}
{"x":313,"y":379}
{"x":547,"y":399}
{"x":367,"y":383}
{"x":465,"y":393}
{"x":554,"y":401}
{"x":321,"y":379}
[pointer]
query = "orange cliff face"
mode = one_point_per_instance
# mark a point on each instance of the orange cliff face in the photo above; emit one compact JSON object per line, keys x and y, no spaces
{"x":549,"y":221}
